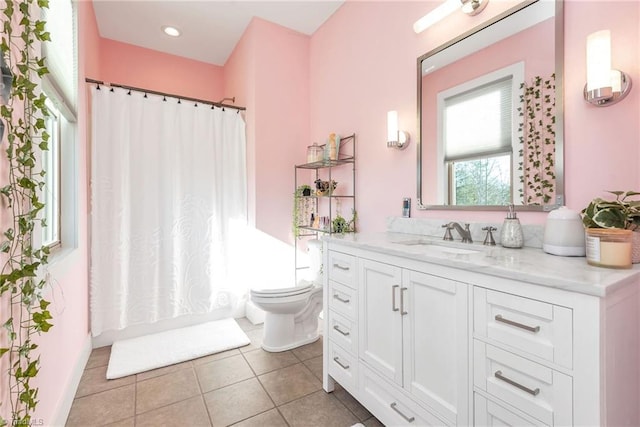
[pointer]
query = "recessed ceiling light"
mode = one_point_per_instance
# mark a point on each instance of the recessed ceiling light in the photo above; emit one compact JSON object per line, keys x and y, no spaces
{"x":171,"y":31}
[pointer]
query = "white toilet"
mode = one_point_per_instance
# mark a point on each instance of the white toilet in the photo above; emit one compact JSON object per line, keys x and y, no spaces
{"x":291,"y":318}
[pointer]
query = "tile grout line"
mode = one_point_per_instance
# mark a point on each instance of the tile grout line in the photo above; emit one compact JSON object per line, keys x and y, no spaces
{"x":172,"y":403}
{"x":275,"y":406}
{"x":345,"y":406}
{"x":204,"y":402}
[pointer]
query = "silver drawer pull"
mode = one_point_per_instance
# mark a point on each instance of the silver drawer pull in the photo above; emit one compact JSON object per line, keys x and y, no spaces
{"x":335,"y":359}
{"x":499,"y":376}
{"x":402,"y":310}
{"x":337,"y":328}
{"x":499,"y":318}
{"x":341,"y":267}
{"x":393,"y":298}
{"x":336,"y":296}
{"x":407,"y":419}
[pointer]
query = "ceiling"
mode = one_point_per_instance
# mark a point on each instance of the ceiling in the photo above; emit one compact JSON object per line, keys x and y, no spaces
{"x":210,"y":28}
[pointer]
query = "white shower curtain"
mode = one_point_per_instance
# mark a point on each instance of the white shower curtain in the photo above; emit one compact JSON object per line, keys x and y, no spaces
{"x":167,"y":179}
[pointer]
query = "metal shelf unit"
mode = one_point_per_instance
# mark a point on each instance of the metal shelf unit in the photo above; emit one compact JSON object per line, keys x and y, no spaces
{"x":346,"y":156}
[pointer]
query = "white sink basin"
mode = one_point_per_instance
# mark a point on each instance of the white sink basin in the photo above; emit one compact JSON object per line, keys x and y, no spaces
{"x":452,"y":250}
{"x":432,"y":246}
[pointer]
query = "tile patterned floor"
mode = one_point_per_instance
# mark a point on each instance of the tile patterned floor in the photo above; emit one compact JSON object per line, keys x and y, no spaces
{"x":242,"y":387}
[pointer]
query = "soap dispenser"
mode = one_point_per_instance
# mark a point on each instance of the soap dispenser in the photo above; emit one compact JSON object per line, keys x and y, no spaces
{"x":511,"y":234}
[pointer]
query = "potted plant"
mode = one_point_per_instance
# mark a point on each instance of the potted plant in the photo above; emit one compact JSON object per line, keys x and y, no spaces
{"x":622,"y":213}
{"x":341,"y":225}
{"x":325,"y":188}
{"x":619,"y":213}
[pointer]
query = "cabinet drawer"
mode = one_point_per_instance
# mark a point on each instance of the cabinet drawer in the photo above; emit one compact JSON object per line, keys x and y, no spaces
{"x":540,"y":329}
{"x":489,"y":413}
{"x":536,"y":390}
{"x":343,"y":332}
{"x":343,"y":366}
{"x":390,"y":405}
{"x":343,"y":299}
{"x":342,"y":268}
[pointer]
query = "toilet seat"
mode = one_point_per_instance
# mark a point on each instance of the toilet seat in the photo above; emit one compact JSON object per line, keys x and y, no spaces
{"x":283,"y":292}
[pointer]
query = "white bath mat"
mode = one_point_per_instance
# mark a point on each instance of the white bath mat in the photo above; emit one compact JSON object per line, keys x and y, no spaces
{"x":174,"y":346}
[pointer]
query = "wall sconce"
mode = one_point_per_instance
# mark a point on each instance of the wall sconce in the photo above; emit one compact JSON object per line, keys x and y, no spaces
{"x":605,"y":85}
{"x":470,"y":7}
{"x":396,"y":138}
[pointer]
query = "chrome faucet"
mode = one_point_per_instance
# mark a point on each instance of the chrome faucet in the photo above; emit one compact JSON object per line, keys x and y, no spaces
{"x":465,"y":233}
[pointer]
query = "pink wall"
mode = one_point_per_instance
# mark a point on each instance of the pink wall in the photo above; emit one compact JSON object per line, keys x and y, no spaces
{"x":363,"y":63}
{"x":271,"y":66}
{"x":239,"y":71}
{"x":149,"y":69}
{"x":281,"y":122}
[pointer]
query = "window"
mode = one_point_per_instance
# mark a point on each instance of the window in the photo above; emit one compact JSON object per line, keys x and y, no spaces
{"x":477,"y":136}
{"x":483,"y":181}
{"x":51,"y":190}
{"x":59,"y":161}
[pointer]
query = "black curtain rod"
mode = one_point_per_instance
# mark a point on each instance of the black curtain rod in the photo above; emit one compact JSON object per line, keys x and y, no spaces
{"x":154,"y":92}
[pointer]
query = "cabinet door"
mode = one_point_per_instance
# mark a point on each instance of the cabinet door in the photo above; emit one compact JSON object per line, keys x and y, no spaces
{"x":435,"y":337}
{"x":379,"y":318}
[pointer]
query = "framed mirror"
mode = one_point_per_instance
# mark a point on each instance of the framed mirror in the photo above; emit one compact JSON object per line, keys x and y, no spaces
{"x":490,"y":114}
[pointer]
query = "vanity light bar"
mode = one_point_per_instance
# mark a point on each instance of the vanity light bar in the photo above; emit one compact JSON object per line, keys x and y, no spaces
{"x":436,"y":15}
{"x":470,"y":7}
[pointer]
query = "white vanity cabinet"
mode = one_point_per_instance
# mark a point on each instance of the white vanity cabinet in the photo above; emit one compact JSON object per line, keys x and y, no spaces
{"x":429,"y":344}
{"x":413,"y":345}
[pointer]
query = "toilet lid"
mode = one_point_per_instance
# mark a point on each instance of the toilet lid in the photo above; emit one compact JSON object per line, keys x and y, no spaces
{"x":300,"y":289}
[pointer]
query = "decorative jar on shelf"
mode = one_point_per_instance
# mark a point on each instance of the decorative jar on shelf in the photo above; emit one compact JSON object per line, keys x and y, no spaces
{"x":314,"y":153}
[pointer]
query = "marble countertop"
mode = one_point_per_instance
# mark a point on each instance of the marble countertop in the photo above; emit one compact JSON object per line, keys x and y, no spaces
{"x":527,"y":264}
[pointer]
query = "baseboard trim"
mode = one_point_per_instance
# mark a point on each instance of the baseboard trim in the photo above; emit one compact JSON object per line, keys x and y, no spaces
{"x":62,"y":413}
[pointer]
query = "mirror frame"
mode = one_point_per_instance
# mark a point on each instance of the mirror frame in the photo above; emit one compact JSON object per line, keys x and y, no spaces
{"x":559,"y":72}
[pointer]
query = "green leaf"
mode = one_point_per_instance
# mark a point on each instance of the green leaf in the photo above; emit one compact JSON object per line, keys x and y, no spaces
{"x":609,"y":218}
{"x":3,"y":351}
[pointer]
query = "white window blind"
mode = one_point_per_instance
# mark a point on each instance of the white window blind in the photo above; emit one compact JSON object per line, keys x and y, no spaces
{"x":51,"y":191}
{"x":478,"y":122}
{"x":60,"y":57}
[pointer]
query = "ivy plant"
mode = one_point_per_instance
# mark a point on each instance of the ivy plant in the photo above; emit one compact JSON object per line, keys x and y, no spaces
{"x":302,"y":208}
{"x":21,"y":283}
{"x":537,"y":139}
